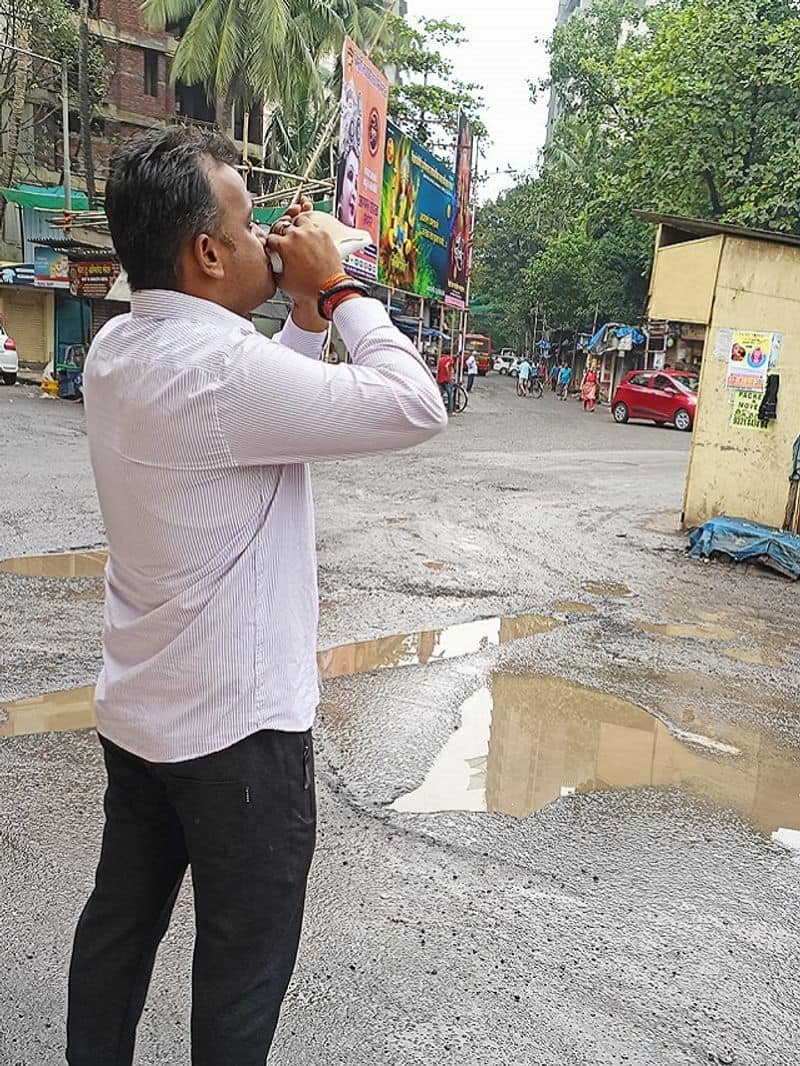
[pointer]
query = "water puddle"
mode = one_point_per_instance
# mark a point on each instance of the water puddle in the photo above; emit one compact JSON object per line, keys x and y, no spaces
{"x":574,"y":607}
{"x":62,"y":564}
{"x":431,"y":645}
{"x":755,"y":657}
{"x":605,"y":588}
{"x":53,"y":712}
{"x":72,"y":708}
{"x":525,"y":741}
{"x":689,"y":631}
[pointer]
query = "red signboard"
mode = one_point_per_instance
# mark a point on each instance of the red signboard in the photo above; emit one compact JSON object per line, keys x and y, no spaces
{"x":92,"y":277}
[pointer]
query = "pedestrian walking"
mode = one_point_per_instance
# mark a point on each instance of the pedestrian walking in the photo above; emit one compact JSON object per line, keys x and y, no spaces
{"x":589,"y":389}
{"x":564,"y":379}
{"x":523,"y":378}
{"x":200,"y":432}
{"x":554,"y":372}
{"x":445,"y":371}
{"x":472,"y":370}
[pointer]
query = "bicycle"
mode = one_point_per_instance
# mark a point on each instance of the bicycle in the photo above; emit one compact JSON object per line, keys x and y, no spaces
{"x":535,"y":389}
{"x":460,"y":399}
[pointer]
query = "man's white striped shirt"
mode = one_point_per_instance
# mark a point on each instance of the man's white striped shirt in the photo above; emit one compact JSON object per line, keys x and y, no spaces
{"x":200,"y":430}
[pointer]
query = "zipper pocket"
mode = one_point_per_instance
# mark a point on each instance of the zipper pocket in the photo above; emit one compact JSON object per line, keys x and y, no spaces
{"x":306,"y":758}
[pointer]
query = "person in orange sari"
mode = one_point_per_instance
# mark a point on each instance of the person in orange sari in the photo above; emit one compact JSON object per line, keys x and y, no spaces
{"x":589,"y":389}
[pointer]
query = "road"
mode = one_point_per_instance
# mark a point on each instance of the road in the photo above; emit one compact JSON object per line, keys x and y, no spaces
{"x":558,"y":836}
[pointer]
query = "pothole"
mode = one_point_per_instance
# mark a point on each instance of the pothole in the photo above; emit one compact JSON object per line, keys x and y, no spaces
{"x":607,"y":588}
{"x":525,"y":741}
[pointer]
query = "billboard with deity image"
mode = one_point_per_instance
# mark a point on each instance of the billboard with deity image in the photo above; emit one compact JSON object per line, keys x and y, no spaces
{"x":461,"y":228}
{"x":362,"y":136}
{"x":416,"y":215}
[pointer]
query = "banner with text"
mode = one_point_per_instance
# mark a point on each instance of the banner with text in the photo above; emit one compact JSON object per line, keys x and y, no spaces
{"x":416,"y":214}
{"x":461,"y":227}
{"x":362,"y":139}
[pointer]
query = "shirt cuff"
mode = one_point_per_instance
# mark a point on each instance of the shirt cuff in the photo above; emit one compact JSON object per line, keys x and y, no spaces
{"x":356,"y":318}
{"x":301,"y":340}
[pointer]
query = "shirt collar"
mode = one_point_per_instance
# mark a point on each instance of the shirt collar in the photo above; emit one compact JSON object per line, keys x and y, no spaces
{"x":165,"y":303}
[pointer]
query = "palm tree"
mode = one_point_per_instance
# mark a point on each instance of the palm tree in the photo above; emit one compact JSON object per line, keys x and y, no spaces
{"x":279,"y":54}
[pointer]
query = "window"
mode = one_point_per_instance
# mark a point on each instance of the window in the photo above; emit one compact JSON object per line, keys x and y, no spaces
{"x":150,"y":72}
{"x":642,"y":380}
{"x":663,"y":383}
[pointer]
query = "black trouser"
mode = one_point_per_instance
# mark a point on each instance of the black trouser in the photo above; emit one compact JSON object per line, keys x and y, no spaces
{"x":244,"y":819}
{"x":470,"y":382}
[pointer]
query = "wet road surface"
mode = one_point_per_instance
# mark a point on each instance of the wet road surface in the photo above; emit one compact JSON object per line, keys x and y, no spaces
{"x":559,"y":775}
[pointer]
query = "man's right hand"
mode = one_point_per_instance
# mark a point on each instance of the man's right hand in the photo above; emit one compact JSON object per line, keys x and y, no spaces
{"x":309,"y":256}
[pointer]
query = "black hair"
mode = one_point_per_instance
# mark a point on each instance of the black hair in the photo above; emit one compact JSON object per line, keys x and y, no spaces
{"x":158,"y":197}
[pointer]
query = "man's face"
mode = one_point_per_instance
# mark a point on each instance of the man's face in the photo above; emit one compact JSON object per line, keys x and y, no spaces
{"x":248,"y":280}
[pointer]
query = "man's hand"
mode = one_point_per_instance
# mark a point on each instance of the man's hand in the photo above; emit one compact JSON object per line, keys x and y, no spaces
{"x":308,"y":253}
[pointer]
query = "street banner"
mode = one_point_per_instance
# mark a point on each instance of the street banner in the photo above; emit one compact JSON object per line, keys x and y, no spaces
{"x":51,"y":268}
{"x":461,"y":227}
{"x":416,"y":214}
{"x":362,"y":138}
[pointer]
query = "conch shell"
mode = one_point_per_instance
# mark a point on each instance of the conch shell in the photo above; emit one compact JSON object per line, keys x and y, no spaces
{"x":346,"y":239}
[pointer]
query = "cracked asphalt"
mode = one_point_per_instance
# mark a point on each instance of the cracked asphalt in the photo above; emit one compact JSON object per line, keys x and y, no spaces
{"x":619,"y":925}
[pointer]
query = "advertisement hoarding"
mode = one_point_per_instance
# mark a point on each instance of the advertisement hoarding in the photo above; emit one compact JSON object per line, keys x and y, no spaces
{"x":362,"y":138}
{"x":416,"y":216}
{"x":461,"y":226}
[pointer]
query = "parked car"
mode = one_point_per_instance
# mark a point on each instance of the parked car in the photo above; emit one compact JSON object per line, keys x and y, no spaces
{"x":658,"y":396}
{"x":9,"y":359}
{"x":506,"y":362}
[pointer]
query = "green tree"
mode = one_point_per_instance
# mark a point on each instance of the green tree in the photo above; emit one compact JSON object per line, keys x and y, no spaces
{"x":427,"y":97}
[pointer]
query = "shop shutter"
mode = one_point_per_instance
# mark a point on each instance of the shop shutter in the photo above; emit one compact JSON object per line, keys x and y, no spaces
{"x":103,"y":311}
{"x":24,"y":321}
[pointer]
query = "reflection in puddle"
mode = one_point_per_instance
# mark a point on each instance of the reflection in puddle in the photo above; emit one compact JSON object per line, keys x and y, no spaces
{"x":574,"y":607}
{"x":525,"y":741}
{"x":431,"y":645}
{"x":53,"y":712}
{"x":63,"y":564}
{"x":72,"y":709}
{"x":689,"y":631}
{"x":604,"y":588}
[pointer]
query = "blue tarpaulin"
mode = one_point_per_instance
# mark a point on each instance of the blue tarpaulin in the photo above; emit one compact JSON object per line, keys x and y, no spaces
{"x":742,"y":540}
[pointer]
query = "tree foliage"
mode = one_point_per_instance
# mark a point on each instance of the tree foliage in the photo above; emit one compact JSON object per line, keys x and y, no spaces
{"x":688,"y":107}
{"x":427,"y":96}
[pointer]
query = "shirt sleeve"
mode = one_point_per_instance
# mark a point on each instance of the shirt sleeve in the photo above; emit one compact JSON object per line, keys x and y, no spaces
{"x":277,"y":406}
{"x":312,"y":345}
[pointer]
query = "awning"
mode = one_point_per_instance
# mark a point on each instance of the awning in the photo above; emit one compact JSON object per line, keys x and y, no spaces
{"x":47,"y":198}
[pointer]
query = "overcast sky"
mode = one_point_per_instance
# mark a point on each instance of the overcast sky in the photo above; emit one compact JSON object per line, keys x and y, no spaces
{"x":502,"y":55}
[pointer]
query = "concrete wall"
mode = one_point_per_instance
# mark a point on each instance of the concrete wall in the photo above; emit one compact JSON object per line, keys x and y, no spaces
{"x":742,"y":471}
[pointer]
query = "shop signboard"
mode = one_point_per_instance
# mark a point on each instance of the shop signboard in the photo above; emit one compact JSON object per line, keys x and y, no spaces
{"x":416,"y":216}
{"x":92,"y":277}
{"x":51,"y":268}
{"x":17,"y":274}
{"x":461,"y":226}
{"x":362,"y":140}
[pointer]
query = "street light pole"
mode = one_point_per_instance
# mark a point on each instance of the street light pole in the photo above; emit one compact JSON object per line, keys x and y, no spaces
{"x":62,"y":65}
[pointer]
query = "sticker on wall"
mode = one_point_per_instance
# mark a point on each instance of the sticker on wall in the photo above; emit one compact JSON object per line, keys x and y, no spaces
{"x":745,"y":410}
{"x":750,"y":356}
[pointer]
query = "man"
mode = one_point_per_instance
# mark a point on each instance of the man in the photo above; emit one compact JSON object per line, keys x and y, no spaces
{"x":200,"y":430}
{"x":472,"y":370}
{"x":524,"y":375}
{"x":554,"y":376}
{"x":564,"y":379}
{"x":444,"y":379}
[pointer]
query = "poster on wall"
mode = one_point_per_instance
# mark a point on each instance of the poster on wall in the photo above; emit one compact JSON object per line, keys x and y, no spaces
{"x":416,"y":213}
{"x":745,"y":410}
{"x":461,"y":225}
{"x":750,"y":356}
{"x":362,"y":139}
{"x":93,"y":277}
{"x":51,"y":268}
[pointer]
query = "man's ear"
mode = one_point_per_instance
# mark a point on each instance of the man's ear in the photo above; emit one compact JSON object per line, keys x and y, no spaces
{"x":207,"y":258}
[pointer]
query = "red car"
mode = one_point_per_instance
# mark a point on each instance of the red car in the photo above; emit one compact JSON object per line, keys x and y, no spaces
{"x":659,"y":396}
